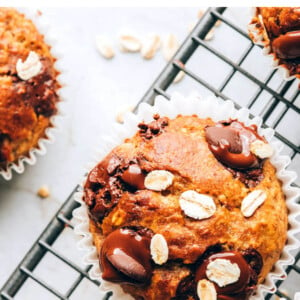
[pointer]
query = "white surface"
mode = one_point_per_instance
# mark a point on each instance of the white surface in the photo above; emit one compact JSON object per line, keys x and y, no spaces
{"x":96,"y":88}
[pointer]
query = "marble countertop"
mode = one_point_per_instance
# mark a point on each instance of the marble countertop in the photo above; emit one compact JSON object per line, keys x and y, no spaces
{"x":95,"y":90}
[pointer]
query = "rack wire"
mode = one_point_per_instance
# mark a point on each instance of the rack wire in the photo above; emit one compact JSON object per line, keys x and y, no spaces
{"x":283,"y":99}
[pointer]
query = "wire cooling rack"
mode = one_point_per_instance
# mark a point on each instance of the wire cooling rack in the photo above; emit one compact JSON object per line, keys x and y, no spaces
{"x":275,"y":100}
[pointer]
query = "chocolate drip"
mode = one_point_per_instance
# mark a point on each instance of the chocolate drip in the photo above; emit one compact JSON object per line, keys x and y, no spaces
{"x":108,"y":181}
{"x":287,"y":46}
{"x":125,"y":256}
{"x":230,"y":143}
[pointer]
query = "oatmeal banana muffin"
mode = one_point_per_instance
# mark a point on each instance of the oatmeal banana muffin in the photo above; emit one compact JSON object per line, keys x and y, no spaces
{"x":280,"y":27}
{"x":187,"y":208}
{"x":28,"y":86}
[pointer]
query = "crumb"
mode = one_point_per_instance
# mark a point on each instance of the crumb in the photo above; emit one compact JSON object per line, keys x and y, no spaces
{"x":43,"y":192}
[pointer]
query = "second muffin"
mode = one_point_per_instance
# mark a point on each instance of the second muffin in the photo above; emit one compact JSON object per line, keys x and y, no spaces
{"x":29,"y":86}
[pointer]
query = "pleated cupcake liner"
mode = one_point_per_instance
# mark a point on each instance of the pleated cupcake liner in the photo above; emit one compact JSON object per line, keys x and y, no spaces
{"x":203,"y":107}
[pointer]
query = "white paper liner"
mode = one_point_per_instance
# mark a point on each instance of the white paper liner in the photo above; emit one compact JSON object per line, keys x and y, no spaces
{"x":42,"y":24}
{"x":258,"y":38}
{"x":218,"y":110}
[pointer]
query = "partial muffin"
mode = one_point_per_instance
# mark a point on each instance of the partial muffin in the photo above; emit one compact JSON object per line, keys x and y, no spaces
{"x":279,"y":29}
{"x":29,"y":86}
{"x":187,"y":207}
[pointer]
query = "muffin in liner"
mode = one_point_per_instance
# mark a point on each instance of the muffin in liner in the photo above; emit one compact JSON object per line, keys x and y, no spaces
{"x":217,"y":110}
{"x":42,"y":25}
{"x":259,"y":35}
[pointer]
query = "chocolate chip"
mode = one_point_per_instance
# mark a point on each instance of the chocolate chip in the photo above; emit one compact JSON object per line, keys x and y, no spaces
{"x":127,"y":265}
{"x":148,"y":131}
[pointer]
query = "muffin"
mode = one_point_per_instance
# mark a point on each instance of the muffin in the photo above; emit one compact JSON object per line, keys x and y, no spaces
{"x":29,"y":87}
{"x":187,"y":208}
{"x":278,"y":29}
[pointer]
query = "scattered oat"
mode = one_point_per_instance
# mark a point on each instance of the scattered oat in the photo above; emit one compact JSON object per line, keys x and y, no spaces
{"x":179,"y":77}
{"x":197,"y":206}
{"x":252,"y":201}
{"x":210,"y":35}
{"x":261,"y":149}
{"x":43,"y":192}
{"x":170,"y":46}
{"x":191,"y":26}
{"x":129,"y":42}
{"x":122,"y":111}
{"x":206,"y":290}
{"x":218,"y":23}
{"x":159,"y":249}
{"x":158,"y":180}
{"x":223,"y":272}
{"x":104,"y":46}
{"x":200,"y":13}
{"x":150,"y":46}
{"x":30,"y":67}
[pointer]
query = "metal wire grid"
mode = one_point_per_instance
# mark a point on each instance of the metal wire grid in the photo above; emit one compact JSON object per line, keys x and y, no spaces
{"x":62,"y":219}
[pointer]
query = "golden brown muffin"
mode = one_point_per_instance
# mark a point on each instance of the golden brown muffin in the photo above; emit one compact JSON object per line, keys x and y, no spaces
{"x":180,"y":200}
{"x":280,"y":27}
{"x":28,"y":93}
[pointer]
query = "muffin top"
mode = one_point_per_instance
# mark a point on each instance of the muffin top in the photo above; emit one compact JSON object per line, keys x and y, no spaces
{"x":184,"y":201}
{"x":28,"y":86}
{"x":280,"y":27}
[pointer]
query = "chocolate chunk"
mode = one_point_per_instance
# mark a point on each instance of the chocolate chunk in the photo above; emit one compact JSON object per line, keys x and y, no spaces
{"x":233,"y":289}
{"x":125,"y":256}
{"x":230,"y":142}
{"x":101,"y":193}
{"x":287,"y":46}
{"x":134,"y":177}
{"x":127,"y":265}
{"x":254,"y":259}
{"x":226,"y":136}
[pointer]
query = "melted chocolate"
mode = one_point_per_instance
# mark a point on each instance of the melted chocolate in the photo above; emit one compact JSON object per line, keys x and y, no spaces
{"x":249,"y":262}
{"x":230,"y":144}
{"x":101,"y":192}
{"x":125,"y":256}
{"x":154,"y":128}
{"x":254,"y":259}
{"x":233,"y":288}
{"x":108,"y":181}
{"x":287,"y":46}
